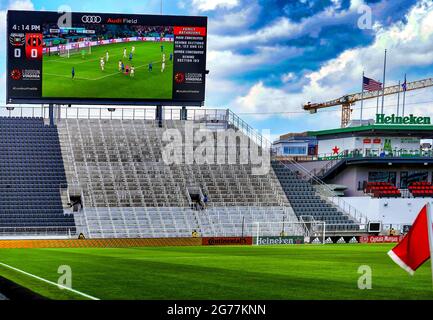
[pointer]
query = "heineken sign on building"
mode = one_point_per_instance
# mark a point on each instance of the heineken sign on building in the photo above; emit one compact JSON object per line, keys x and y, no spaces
{"x":409,"y":120}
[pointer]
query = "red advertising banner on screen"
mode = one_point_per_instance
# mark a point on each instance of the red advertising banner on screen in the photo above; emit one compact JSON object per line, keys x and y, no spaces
{"x":190,"y":31}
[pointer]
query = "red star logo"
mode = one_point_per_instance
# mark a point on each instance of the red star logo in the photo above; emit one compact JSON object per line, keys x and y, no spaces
{"x":336,"y":150}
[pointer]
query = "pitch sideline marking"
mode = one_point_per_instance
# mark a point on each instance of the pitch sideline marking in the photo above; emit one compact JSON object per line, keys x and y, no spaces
{"x":49,"y":282}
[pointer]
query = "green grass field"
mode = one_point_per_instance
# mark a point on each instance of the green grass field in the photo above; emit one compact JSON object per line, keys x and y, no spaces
{"x":279,"y":272}
{"x":91,"y":82}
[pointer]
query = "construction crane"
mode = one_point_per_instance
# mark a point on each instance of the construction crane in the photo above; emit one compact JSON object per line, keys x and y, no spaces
{"x":349,"y":100}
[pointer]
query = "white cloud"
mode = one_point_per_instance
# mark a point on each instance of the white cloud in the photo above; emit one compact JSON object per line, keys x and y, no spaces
{"x":208,"y":5}
{"x":409,"y":44}
{"x":287,"y":77}
{"x":235,"y":20}
{"x":21,"y":5}
{"x":279,"y":29}
{"x":2,"y":80}
{"x":226,"y":63}
{"x":284,"y":29}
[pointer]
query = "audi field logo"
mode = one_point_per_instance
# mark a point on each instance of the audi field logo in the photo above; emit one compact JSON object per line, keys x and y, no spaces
{"x":91,"y":19}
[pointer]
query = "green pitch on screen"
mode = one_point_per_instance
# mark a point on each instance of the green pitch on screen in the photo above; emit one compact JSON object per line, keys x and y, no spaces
{"x":92,"y":83}
{"x":255,"y":272}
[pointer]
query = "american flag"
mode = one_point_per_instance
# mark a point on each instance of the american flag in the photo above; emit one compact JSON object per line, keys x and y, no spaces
{"x":404,"y":85}
{"x":371,"y":85}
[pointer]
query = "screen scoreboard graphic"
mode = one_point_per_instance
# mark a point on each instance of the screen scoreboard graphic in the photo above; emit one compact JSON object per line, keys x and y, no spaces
{"x":92,"y":58}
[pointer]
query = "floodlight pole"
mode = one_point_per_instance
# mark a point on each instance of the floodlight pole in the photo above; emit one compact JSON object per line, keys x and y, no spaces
{"x":430,"y":235}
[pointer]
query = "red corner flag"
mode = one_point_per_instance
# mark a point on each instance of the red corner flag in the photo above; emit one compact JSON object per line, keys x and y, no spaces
{"x":414,"y":249}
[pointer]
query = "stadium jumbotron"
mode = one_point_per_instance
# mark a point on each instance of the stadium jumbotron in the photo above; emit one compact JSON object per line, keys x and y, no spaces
{"x":117,"y":183}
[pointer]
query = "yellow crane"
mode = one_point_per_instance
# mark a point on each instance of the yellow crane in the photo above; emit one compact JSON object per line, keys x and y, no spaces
{"x":349,"y":100}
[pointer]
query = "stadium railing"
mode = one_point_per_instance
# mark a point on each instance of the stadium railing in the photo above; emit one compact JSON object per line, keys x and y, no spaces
{"x":174,"y":113}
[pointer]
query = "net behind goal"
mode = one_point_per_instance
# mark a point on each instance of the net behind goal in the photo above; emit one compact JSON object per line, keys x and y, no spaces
{"x":288,"y":232}
{"x":291,"y":232}
{"x":66,"y":51}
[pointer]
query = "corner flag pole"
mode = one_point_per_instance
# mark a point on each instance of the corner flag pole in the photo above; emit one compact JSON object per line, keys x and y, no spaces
{"x":430,"y":235}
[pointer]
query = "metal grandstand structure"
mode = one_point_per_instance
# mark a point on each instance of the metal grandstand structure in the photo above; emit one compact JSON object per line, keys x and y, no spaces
{"x":113,"y":164}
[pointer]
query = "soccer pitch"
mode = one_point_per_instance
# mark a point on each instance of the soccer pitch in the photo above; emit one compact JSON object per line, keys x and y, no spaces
{"x":275,"y":272}
{"x":91,"y":82}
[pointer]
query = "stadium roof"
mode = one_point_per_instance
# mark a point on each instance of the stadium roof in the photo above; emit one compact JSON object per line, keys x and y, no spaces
{"x":421,"y":131}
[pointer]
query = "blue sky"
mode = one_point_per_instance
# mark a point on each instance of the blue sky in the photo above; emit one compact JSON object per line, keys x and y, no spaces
{"x":268,"y":57}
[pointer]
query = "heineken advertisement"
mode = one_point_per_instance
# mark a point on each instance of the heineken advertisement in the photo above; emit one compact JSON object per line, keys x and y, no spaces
{"x":266,"y":241}
{"x":393,"y":119}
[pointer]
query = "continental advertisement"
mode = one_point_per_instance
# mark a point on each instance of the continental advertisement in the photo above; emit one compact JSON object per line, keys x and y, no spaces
{"x":227,"y":241}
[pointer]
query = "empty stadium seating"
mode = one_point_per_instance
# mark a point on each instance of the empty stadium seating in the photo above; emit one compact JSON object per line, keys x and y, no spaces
{"x":382,"y":190}
{"x":128,"y":191}
{"x":421,"y":189}
{"x":31,"y":177}
{"x":307,"y":203}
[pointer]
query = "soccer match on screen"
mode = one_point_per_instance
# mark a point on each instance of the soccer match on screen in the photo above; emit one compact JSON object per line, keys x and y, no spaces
{"x":216,"y":158}
{"x":108,"y":61}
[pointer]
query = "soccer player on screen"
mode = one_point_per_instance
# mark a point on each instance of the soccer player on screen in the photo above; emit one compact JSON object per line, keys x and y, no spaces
{"x":73,"y":73}
{"x":124,"y":53}
{"x":133,"y":49}
{"x":132,"y":72}
{"x":107,"y":56}
{"x":150,"y":67}
{"x":120,"y":65}
{"x":162,"y":48}
{"x":163,"y":67}
{"x":171,"y":56}
{"x":163,"y":57}
{"x":102,"y":63}
{"x":130,"y":56}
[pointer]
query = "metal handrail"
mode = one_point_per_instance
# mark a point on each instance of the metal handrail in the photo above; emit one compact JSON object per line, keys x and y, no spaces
{"x":335,"y":199}
{"x":173,"y":113}
{"x":264,"y":143}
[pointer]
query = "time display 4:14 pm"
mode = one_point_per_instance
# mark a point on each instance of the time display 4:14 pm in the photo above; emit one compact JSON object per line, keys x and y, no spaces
{"x":26,"y":27}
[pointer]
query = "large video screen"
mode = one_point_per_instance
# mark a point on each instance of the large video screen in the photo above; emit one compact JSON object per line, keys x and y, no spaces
{"x":92,"y":58}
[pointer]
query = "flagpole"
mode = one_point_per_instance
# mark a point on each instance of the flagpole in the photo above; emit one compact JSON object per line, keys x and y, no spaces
{"x":377,"y":106}
{"x":430,"y":235}
{"x":404,"y":92}
{"x":383,"y":83}
{"x":362,"y":97}
{"x":398,"y":98}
